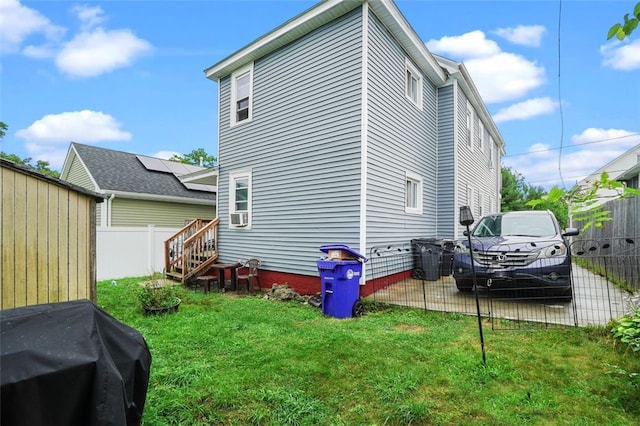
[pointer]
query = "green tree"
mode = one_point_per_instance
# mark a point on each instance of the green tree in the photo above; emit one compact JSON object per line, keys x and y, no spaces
{"x":194,"y":158}
{"x":41,"y":165}
{"x":584,"y":201}
{"x":513,"y":191}
{"x":517,"y":195}
{"x":626,"y":28}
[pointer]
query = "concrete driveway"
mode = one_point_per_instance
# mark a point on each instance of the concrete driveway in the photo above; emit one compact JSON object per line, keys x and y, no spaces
{"x":596,"y":301}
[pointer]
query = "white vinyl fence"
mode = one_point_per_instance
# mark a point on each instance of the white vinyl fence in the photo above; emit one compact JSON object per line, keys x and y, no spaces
{"x":130,"y":251}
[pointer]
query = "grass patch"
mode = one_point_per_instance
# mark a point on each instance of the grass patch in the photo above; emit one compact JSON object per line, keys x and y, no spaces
{"x":224,"y":359}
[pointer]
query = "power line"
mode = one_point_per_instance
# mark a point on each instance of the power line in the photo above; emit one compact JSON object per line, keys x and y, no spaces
{"x":560,"y":97}
{"x":578,"y":176}
{"x":577,"y":146}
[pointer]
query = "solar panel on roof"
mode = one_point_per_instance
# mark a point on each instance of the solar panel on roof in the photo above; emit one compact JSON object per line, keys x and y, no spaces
{"x":200,"y":187}
{"x":155,"y":164}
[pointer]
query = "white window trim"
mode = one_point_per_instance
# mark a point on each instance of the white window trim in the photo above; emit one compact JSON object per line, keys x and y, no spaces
{"x":233,"y":176}
{"x":492,"y":154}
{"x":417,"y":179}
{"x":482,"y":139}
{"x":470,"y":119}
{"x":232,"y":107}
{"x":409,"y":68}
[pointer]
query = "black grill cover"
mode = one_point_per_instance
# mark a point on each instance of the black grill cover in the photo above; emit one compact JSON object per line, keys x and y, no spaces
{"x":71,"y":363}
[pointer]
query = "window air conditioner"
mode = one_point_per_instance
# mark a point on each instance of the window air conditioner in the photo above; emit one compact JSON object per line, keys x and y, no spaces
{"x":239,"y":219}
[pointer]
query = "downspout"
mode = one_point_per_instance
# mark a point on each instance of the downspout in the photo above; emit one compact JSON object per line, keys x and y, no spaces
{"x":109,"y":208}
{"x":364,"y":130}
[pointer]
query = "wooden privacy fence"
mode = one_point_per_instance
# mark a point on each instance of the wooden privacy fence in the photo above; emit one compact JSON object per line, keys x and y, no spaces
{"x":614,"y":249}
{"x":47,"y":233}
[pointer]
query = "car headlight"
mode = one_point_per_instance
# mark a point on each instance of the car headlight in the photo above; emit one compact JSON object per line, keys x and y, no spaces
{"x":555,"y":250}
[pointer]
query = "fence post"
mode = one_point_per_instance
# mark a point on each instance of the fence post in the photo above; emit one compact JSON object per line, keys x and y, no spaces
{"x":151,"y":238}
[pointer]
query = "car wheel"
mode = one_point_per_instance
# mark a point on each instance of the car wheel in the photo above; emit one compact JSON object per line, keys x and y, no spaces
{"x":464,"y":286}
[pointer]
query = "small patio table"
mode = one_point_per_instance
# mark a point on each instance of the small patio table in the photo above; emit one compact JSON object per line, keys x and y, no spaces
{"x":221,"y":267}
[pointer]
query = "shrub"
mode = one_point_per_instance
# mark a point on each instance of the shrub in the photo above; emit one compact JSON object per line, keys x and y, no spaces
{"x":627,"y":328}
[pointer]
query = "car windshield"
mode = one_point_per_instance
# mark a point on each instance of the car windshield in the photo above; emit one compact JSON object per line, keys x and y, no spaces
{"x":515,"y":225}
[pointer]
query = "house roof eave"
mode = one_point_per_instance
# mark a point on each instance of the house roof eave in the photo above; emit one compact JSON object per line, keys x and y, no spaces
{"x":152,"y":197}
{"x":291,"y":30}
{"x":321,"y":14}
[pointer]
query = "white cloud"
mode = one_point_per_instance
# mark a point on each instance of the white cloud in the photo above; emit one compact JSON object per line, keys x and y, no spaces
{"x":470,"y":45}
{"x":525,"y":35}
{"x":588,"y":152}
{"x":617,"y":137}
{"x":98,"y":52}
{"x":499,"y":76}
{"x":19,"y":23}
{"x":91,"y":52}
{"x":165,"y":155}
{"x":505,"y":76}
{"x":622,"y":56}
{"x":90,"y":17}
{"x":527,"y":109}
{"x":48,"y":138}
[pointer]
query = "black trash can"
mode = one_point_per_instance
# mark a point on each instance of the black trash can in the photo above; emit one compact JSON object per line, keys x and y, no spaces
{"x":427,"y":256}
{"x":340,"y":275}
{"x":446,"y":264}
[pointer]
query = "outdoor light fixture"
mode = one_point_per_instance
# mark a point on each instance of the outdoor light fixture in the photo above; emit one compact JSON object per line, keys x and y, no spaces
{"x":466,"y":219}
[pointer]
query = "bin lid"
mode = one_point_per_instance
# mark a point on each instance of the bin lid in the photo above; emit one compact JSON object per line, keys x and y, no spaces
{"x":345,"y":248}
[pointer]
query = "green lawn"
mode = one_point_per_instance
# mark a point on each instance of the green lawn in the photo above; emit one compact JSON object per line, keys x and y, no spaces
{"x":224,"y":359}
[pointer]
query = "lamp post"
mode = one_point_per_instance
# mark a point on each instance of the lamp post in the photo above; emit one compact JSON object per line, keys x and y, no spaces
{"x":466,"y":219}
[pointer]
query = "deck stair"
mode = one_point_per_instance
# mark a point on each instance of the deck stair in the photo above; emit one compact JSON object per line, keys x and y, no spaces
{"x":190,"y":251}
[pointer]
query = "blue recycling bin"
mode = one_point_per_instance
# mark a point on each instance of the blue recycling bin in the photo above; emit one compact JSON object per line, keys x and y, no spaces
{"x":340,"y":274}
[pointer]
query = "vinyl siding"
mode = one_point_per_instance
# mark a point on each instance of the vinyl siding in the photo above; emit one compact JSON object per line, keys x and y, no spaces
{"x":131,"y":212}
{"x":473,"y":170}
{"x":302,"y":147}
{"x":78,"y":175}
{"x":446,"y":212}
{"x":401,"y":138}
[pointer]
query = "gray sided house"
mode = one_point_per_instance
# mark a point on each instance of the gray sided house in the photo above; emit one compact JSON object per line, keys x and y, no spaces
{"x":340,"y":127}
{"x":141,"y":190}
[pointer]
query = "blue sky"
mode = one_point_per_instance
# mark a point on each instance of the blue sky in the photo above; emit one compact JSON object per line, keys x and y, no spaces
{"x":129,"y":75}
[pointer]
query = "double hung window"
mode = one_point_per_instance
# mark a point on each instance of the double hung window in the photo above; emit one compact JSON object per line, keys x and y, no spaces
{"x":242,"y":95}
{"x":469,"y":126}
{"x":240,"y":199}
{"x":413,"y":193}
{"x":413,"y":84}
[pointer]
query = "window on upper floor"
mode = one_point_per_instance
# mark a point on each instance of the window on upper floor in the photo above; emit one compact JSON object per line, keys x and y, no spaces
{"x":239,"y":199}
{"x":413,"y":193}
{"x":481,"y":131}
{"x":469,"y":126}
{"x":492,"y":154}
{"x":413,"y":84}
{"x":470,"y":200}
{"x":242,"y":95}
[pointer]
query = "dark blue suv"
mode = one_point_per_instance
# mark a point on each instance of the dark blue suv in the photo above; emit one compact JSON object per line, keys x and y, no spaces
{"x":522,"y":250}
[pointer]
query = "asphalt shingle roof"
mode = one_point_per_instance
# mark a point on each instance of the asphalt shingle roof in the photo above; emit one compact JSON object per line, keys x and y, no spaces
{"x":122,"y":171}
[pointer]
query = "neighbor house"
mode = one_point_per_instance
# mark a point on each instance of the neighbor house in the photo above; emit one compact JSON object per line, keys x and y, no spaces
{"x":340,"y":127}
{"x":624,"y":168}
{"x":147,"y":201}
{"x":140,"y":190}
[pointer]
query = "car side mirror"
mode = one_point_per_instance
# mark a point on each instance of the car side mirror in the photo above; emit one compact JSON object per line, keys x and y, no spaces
{"x":465,"y":233}
{"x":570,"y":232}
